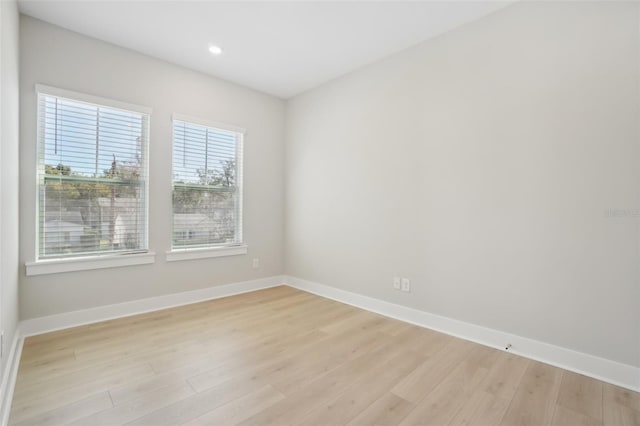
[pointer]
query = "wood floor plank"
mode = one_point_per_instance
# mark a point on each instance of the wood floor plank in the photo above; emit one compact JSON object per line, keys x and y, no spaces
{"x":620,"y":415}
{"x":282,"y":356}
{"x":361,"y":321}
{"x":395,"y":327}
{"x":133,"y":409}
{"x":324,"y":357}
{"x":362,"y":393}
{"x":482,"y":408}
{"x":624,"y":397}
{"x":239,"y":409}
{"x":504,"y":378}
{"x":55,"y":396}
{"x":535,"y":399}
{"x":321,"y":391}
{"x":225,"y":346}
{"x":386,"y":410}
{"x":74,"y":374}
{"x":567,"y":417}
{"x":319,"y":320}
{"x":109,"y":372}
{"x":200,"y":403}
{"x":441,"y":404}
{"x":496,"y":390}
{"x":262,"y":361}
{"x":581,"y":394}
{"x":421,"y":340}
{"x":300,"y":371}
{"x":70,"y":412}
{"x":135,"y":389}
{"x":49,"y":357}
{"x":429,"y":374}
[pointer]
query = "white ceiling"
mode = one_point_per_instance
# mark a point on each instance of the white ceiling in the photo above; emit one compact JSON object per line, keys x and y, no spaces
{"x":281,"y":48}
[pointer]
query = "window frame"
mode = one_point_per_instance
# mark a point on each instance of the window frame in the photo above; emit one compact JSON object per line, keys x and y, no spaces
{"x":213,"y":250}
{"x":99,"y":259}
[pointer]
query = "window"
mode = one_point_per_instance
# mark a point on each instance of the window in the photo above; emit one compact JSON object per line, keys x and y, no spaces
{"x":207,"y":184}
{"x":92,"y":175}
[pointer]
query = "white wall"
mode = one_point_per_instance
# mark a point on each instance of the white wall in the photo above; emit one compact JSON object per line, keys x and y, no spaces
{"x":9,"y":143}
{"x":53,"y":56}
{"x":480,"y":165}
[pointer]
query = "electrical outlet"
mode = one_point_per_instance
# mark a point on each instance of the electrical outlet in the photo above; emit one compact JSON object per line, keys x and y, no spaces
{"x":256,"y":263}
{"x":396,"y":283}
{"x":406,"y":285}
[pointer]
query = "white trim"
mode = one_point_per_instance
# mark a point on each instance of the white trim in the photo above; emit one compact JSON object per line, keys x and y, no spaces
{"x":208,"y":123}
{"x":9,"y":377}
{"x":205,"y":253}
{"x":54,"y":266}
{"x":239,"y":204}
{"x":91,"y":99}
{"x":46,"y":324}
{"x":619,"y":374}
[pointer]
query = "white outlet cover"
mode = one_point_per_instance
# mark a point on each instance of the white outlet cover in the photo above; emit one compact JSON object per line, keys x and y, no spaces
{"x":396,"y":283}
{"x":406,"y":284}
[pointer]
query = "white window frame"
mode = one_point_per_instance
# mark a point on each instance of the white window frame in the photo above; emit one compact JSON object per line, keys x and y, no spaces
{"x":189,"y":253}
{"x":99,"y":260}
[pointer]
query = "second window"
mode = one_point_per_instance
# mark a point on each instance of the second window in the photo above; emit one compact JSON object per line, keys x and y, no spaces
{"x":207,"y":184}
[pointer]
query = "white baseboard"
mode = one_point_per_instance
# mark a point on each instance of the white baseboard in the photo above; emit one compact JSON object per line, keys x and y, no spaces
{"x":613,"y":372}
{"x":49,"y":323}
{"x":606,"y":370}
{"x":9,"y":377}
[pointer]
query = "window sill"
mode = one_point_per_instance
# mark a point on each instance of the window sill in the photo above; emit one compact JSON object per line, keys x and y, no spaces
{"x":204,"y":253}
{"x":55,"y":266}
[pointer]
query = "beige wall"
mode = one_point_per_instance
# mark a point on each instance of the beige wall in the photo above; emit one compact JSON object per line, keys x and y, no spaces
{"x":53,"y":56}
{"x":481,"y":165}
{"x":9,"y":143}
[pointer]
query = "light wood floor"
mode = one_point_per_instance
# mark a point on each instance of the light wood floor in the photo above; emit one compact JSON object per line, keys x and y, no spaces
{"x":282,"y":356}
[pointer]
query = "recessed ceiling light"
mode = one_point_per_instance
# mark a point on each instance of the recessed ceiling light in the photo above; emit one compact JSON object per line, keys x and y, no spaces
{"x":215,"y":50}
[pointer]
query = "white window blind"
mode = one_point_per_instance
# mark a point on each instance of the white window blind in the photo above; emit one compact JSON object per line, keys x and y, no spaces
{"x":92,"y":177}
{"x":207,"y":185}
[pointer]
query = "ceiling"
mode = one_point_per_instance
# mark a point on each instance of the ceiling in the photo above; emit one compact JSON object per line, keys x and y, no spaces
{"x":281,"y":48}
